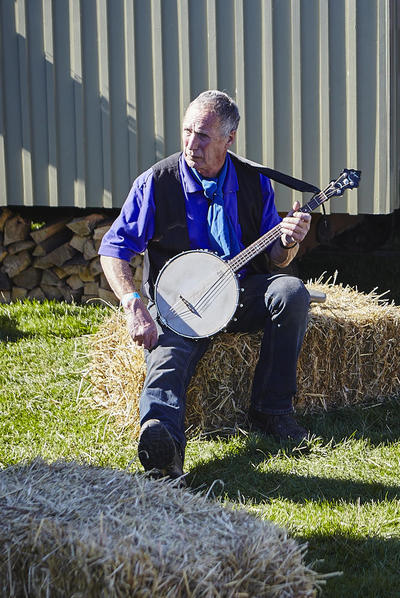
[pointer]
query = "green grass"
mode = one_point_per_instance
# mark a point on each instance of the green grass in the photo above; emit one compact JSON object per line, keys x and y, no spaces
{"x":43,"y":401}
{"x":340,"y":494}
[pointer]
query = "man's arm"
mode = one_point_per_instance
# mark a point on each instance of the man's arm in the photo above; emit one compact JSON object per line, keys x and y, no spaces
{"x":141,"y":325}
{"x":295,"y":227}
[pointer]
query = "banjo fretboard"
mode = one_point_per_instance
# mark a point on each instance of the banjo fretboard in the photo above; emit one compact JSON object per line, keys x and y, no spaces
{"x":348,"y":178}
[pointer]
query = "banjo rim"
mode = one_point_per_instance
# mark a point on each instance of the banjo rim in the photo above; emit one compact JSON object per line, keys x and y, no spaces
{"x":233,"y":278}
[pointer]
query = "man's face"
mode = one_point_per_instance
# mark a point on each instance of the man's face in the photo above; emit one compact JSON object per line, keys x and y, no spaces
{"x":204,"y":145}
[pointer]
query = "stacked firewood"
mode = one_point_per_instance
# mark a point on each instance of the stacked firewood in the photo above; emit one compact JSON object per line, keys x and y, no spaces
{"x":56,"y":261}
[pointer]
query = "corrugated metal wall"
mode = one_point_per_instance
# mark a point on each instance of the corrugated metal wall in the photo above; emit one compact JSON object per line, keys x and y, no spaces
{"x":93,"y":92}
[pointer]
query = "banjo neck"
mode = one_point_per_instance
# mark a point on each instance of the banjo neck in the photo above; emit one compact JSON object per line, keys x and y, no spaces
{"x":348,"y":178}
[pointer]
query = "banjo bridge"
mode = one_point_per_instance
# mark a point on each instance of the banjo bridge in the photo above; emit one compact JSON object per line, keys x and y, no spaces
{"x":190,"y":306}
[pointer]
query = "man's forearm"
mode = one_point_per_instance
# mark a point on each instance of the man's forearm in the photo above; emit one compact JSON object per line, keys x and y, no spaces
{"x":119,"y":275}
{"x":281,"y":256}
{"x":141,"y":325}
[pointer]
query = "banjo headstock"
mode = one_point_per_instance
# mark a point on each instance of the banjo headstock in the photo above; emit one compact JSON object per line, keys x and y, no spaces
{"x":348,"y":179}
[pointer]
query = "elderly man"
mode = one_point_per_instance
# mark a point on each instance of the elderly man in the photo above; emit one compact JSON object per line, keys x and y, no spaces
{"x":208,"y":198}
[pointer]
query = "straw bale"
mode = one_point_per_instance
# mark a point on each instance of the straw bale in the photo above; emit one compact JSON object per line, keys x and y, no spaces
{"x":351,"y":352}
{"x":117,"y":371}
{"x":74,"y":530}
{"x":350,"y":355}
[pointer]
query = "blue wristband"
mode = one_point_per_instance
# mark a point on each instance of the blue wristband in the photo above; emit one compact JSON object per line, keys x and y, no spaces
{"x":127,"y":296}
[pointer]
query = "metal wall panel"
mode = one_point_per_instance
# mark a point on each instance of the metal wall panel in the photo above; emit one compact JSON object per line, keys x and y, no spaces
{"x":93,"y":92}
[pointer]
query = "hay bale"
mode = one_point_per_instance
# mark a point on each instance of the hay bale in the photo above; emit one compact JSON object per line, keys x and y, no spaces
{"x":74,"y":530}
{"x":351,"y":352}
{"x":117,"y":371}
{"x":350,"y":355}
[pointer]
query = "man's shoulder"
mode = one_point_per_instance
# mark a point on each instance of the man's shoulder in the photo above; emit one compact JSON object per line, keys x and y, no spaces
{"x":247,"y":168}
{"x":168,"y":164}
{"x":245,"y":162}
{"x":143,"y":180}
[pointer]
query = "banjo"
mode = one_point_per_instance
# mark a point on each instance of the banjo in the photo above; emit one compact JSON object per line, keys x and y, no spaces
{"x":197,"y":292}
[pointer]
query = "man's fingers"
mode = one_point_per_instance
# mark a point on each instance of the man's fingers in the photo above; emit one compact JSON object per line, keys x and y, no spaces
{"x":141,"y":329}
{"x":151,"y":337}
{"x":153,"y":340}
{"x":296,"y":206}
{"x":296,"y":224}
{"x":146,"y":336}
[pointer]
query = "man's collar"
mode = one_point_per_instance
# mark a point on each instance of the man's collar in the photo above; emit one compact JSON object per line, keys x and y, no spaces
{"x":190,"y":184}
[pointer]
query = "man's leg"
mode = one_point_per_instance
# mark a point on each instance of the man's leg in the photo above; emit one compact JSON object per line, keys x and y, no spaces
{"x":170,"y":367}
{"x":279,"y":305}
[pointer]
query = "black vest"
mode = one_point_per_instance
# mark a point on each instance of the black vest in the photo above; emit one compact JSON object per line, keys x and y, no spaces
{"x":170,"y":228}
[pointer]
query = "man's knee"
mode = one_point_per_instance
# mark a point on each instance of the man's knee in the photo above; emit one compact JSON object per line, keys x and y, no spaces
{"x":288,"y":294}
{"x":296,"y":291}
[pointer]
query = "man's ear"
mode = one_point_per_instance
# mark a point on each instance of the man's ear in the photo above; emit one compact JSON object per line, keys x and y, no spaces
{"x":231,"y":139}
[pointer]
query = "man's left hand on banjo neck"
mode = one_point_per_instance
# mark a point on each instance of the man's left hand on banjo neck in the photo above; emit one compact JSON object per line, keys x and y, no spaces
{"x":295,"y":227}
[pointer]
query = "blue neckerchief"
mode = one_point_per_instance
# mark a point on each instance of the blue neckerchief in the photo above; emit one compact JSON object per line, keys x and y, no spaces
{"x":221,"y":234}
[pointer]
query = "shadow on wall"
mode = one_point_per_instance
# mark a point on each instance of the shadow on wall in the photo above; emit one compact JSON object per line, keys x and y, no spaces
{"x":70,"y":121}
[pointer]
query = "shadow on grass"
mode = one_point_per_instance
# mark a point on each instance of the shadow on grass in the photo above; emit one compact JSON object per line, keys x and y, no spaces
{"x":240,"y":474}
{"x":378,"y":422}
{"x":243,"y":471}
{"x":9,"y":330}
{"x":370,"y":566}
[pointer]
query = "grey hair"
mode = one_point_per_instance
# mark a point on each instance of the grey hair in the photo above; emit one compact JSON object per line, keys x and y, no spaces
{"x":223,"y":106}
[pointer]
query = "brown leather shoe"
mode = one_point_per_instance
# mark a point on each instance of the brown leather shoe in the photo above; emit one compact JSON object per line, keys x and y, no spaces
{"x":158,"y":450}
{"x":281,"y":427}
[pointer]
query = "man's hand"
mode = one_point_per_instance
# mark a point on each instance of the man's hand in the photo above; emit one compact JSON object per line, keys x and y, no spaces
{"x":140,"y":324}
{"x":295,"y":226}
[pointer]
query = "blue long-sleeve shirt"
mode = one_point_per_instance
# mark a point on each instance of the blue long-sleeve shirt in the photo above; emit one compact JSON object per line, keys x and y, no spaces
{"x":134,"y":227}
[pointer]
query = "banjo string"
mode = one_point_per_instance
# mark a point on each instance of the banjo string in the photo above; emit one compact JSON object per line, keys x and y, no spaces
{"x":217,"y":287}
{"x":205,"y":300}
{"x":235,"y":264}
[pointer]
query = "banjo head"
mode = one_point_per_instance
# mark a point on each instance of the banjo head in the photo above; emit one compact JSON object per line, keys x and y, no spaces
{"x":196,"y":294}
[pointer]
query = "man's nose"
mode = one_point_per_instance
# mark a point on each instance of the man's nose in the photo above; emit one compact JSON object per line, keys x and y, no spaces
{"x":192,"y":141}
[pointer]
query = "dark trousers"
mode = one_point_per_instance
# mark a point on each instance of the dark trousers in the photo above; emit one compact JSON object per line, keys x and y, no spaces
{"x":277,"y":304}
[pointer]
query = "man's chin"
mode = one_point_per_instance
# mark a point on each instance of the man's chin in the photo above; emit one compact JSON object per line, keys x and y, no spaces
{"x":193,"y":162}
